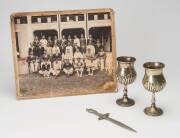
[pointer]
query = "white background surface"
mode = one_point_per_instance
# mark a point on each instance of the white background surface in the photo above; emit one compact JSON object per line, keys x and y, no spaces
{"x":148,"y":30}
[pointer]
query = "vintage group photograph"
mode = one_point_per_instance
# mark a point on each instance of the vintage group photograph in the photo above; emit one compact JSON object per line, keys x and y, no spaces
{"x":64,"y":53}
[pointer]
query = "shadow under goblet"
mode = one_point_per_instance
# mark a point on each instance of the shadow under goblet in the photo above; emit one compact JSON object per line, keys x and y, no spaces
{"x":126,"y":75}
{"x":154,"y":82}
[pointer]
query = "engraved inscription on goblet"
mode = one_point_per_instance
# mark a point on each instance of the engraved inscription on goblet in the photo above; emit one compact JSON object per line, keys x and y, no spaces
{"x":126,"y":75}
{"x":154,"y":82}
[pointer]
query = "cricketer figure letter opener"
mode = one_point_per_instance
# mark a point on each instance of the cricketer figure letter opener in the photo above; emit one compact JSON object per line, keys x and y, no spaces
{"x":106,"y":117}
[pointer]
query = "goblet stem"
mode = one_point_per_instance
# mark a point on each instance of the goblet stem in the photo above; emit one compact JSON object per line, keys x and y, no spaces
{"x":125,"y":101}
{"x":153,"y":99}
{"x":125,"y":91}
{"x":153,"y":110}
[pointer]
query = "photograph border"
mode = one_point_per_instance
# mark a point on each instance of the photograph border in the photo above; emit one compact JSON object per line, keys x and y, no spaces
{"x":113,"y":85}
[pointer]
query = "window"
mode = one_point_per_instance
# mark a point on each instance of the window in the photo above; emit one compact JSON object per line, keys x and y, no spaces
{"x":72,"y":17}
{"x":63,"y":18}
{"x":44,"y":19}
{"x":99,"y":16}
{"x":91,"y":16}
{"x":20,"y":20}
{"x":54,"y":18}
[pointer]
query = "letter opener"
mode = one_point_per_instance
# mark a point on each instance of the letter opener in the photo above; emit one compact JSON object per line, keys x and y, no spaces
{"x":106,"y":117}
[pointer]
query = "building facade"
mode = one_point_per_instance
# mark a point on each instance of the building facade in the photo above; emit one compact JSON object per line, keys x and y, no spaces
{"x":27,"y":26}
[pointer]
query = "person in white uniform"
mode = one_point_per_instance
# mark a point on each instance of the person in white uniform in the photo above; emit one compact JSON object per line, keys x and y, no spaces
{"x":78,"y":54}
{"x":79,"y":66}
{"x":101,"y":57}
{"x":68,"y":67}
{"x":57,"y":66}
{"x":44,"y":42}
{"x":46,"y":69}
{"x":55,"y":51}
{"x":91,"y":62}
{"x":78,"y":62}
{"x":68,"y":52}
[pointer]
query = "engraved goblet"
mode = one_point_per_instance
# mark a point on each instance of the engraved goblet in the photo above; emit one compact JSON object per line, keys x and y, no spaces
{"x":126,"y":75}
{"x":154,"y":82}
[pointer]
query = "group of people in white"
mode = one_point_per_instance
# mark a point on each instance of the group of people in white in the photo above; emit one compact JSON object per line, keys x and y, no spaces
{"x":50,"y":56}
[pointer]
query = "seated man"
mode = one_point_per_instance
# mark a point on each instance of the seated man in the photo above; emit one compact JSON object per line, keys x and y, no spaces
{"x":45,"y":68}
{"x":68,"y":67}
{"x":57,"y":66}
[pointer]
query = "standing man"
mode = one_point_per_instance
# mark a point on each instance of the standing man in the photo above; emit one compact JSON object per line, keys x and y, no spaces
{"x":93,"y":42}
{"x":63,"y":43}
{"x":49,"y":46}
{"x":30,"y":49}
{"x":70,"y":40}
{"x":68,"y":52}
{"x":56,"y":41}
{"x":30,"y":60}
{"x":41,"y":51}
{"x":36,"y":41}
{"x":102,"y":57}
{"x":82,"y":44}
{"x":43,"y":42}
{"x":76,"y":41}
{"x":98,"y":46}
{"x":91,"y":62}
{"x":90,"y":49}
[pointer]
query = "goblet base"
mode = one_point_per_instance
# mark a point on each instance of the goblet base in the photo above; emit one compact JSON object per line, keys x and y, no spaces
{"x":153,"y":111}
{"x":125,"y":102}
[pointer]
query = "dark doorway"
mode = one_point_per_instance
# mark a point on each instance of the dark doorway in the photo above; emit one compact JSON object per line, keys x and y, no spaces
{"x":47,"y":33}
{"x":104,"y":35}
{"x":72,"y":32}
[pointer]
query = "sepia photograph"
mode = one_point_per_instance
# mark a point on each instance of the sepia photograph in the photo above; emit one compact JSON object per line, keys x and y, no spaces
{"x":64,"y":53}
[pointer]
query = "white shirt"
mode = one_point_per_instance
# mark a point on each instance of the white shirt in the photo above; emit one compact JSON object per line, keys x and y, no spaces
{"x":57,"y":65}
{"x":69,"y":52}
{"x":78,"y":55}
{"x":43,"y":43}
{"x":55,"y":50}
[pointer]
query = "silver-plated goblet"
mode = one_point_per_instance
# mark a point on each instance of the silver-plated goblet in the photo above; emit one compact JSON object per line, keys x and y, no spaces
{"x":126,"y":75}
{"x":154,"y":82}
